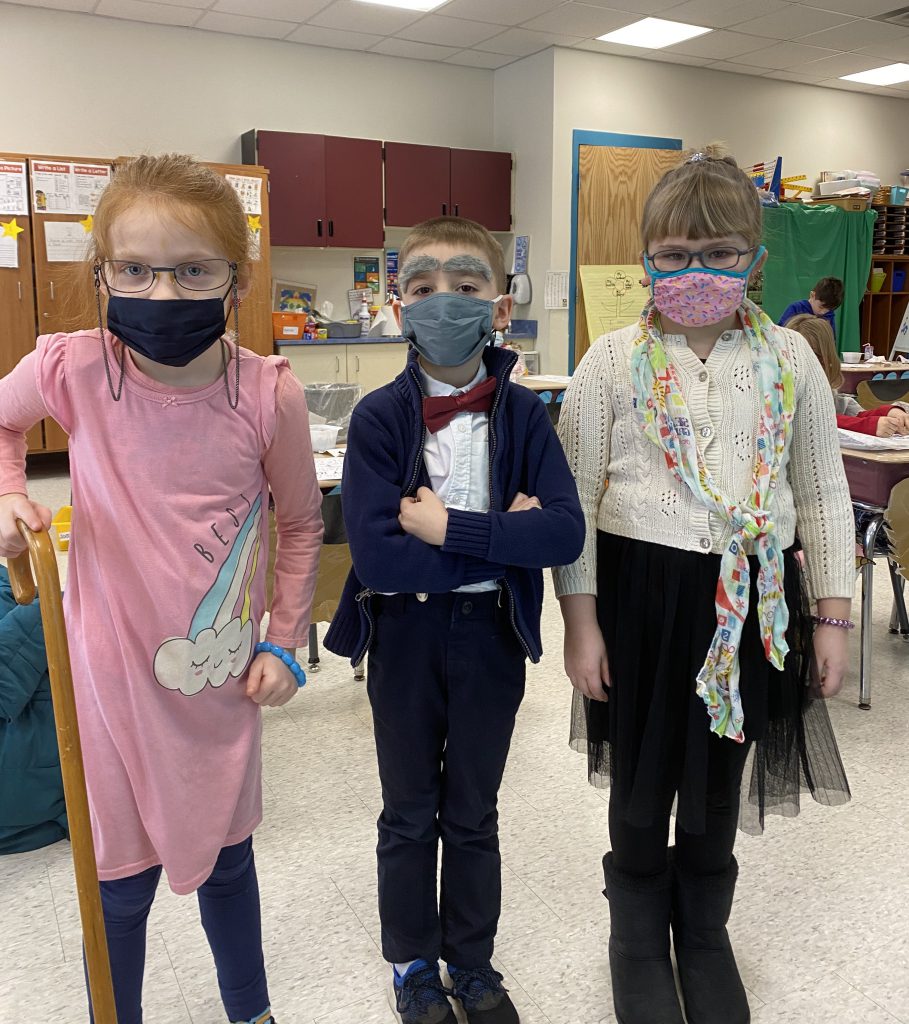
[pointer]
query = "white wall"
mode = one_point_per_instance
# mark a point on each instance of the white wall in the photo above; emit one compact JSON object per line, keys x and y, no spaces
{"x":811,"y":127}
{"x":75,"y":83}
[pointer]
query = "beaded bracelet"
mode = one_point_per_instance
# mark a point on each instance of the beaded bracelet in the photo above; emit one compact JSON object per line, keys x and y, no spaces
{"x":824,"y":620}
{"x":289,"y":661}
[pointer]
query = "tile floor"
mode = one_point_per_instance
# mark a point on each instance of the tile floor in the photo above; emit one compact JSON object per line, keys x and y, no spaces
{"x":820,"y":924}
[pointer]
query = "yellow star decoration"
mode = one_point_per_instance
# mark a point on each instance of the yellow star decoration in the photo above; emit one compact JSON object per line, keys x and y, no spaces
{"x":255,"y":223}
{"x":10,"y":229}
{"x":88,"y":224}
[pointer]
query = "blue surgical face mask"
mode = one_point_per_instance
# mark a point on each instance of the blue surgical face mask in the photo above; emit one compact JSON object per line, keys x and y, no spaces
{"x":448,"y":329}
{"x":168,"y":331}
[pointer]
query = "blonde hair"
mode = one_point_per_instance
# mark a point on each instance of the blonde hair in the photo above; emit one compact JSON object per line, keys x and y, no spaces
{"x":819,"y":335}
{"x":457,"y":231}
{"x":707,"y":196}
{"x":180,"y":187}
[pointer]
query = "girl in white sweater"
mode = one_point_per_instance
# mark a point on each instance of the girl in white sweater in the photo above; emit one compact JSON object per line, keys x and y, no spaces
{"x":704,"y":446}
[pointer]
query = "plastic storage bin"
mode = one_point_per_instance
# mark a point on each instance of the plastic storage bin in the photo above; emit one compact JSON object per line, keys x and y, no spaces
{"x":899,"y":279}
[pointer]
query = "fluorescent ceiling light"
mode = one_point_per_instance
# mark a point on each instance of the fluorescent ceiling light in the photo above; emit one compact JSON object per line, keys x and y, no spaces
{"x":886,"y":75}
{"x":406,"y":5}
{"x":654,"y":33}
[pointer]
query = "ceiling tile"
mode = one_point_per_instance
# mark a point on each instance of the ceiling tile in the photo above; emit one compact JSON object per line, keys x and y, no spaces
{"x":334,"y":37}
{"x":856,"y":34}
{"x":395,"y":47}
{"x":720,"y":45}
{"x":737,"y":69}
{"x":897,"y":50}
{"x":642,"y":7}
{"x":85,"y":6}
{"x":722,"y":13}
{"x":783,"y":55}
{"x":843,"y":64}
{"x":801,"y":74}
{"x":153,"y":13}
{"x":498,"y":12}
{"x":521,"y":43}
{"x":664,"y":57}
{"x":582,"y":20}
{"x":381,"y":21}
{"x":238,"y":25}
{"x":859,"y":8}
{"x":449,"y":31}
{"x":476,"y":59}
{"x":796,"y":20}
{"x":598,"y":46}
{"x":280,"y":10}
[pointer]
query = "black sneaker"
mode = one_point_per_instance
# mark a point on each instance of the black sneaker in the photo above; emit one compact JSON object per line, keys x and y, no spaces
{"x":420,"y":997}
{"x":484,"y":998}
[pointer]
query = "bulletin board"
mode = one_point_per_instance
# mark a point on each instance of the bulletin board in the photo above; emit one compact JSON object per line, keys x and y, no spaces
{"x":612,"y":176}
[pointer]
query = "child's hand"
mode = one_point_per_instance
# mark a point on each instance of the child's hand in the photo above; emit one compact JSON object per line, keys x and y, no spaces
{"x":831,"y":660}
{"x":586,"y":663}
{"x":17,"y":506}
{"x":270,"y":682}
{"x":424,"y":517}
{"x":523,"y":503}
{"x":895,"y":423}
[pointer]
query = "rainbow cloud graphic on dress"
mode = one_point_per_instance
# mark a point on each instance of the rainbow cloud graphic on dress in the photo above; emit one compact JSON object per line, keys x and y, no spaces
{"x":220,"y":638}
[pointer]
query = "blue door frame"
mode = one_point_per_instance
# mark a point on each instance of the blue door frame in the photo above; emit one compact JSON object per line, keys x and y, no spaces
{"x":584,"y":138}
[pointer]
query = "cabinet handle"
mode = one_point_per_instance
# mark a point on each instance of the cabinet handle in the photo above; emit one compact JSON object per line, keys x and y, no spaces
{"x":19,"y":288}
{"x":457,"y":209}
{"x":338,"y":365}
{"x":358,"y":363}
{"x":444,"y":209}
{"x":319,"y":227}
{"x":52,"y":290}
{"x":331,"y":228}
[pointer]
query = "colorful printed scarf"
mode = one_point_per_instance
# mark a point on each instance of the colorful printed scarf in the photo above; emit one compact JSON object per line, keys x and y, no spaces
{"x":660,"y":406}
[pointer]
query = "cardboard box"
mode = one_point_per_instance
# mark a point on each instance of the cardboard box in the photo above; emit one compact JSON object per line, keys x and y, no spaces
{"x":854,"y":204}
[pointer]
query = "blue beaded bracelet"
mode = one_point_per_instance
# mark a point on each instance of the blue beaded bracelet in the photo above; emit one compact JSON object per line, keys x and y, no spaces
{"x":289,"y":661}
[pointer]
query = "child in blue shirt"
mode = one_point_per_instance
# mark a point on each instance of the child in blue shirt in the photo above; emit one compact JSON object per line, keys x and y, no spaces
{"x":823,"y":301}
{"x":456,"y":496}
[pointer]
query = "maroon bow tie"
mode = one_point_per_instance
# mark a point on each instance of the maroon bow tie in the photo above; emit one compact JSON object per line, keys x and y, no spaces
{"x":439,"y":412}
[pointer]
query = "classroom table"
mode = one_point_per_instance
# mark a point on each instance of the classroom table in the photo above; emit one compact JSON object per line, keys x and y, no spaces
{"x":854,"y":373}
{"x":872,"y":475}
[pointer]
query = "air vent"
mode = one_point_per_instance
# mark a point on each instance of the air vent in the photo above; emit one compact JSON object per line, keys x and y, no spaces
{"x":899,"y":17}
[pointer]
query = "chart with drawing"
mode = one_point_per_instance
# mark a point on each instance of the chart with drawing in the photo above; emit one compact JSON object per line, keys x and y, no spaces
{"x":613,"y":296}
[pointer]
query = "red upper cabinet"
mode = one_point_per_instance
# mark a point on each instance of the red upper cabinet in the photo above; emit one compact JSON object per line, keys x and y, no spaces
{"x":353,"y":193}
{"x":481,"y":187}
{"x":430,"y":181}
{"x":417,"y":183}
{"x":325,"y":191}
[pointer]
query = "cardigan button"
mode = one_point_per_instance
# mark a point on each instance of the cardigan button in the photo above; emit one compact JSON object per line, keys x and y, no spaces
{"x":705,"y":543}
{"x":703,"y":376}
{"x":706,"y":431}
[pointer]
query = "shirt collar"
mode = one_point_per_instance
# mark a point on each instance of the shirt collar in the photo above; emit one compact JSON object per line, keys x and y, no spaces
{"x":436,"y":388}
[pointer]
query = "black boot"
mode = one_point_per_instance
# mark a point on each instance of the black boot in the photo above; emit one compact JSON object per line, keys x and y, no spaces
{"x":711,"y":985}
{"x":643,"y":985}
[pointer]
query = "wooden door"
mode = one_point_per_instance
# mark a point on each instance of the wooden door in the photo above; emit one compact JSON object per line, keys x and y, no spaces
{"x":353,"y":193}
{"x":614,"y":182}
{"x":481,"y":187}
{"x":255,"y":311}
{"x":296,"y":165}
{"x":17,"y":302}
{"x":417,"y":183}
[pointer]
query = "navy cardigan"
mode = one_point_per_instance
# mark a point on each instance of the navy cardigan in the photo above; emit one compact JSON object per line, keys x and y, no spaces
{"x":384,"y":463}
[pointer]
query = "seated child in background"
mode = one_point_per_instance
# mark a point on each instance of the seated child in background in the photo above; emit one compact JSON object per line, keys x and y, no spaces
{"x":826,"y":297}
{"x":885,"y":421}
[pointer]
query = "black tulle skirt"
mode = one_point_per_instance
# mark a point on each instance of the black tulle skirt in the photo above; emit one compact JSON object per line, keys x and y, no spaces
{"x":656,"y":610}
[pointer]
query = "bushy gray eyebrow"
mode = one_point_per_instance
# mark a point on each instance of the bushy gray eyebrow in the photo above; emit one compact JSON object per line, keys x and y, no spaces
{"x":466,"y":264}
{"x":415,"y":266}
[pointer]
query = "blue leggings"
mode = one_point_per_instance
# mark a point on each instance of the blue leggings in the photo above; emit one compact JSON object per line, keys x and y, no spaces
{"x":231,"y":916}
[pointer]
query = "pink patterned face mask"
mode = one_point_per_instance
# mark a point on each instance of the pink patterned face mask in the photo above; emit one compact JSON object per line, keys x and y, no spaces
{"x":698,"y":298}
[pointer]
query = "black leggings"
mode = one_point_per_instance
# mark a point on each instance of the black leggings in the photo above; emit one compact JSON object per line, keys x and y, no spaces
{"x":643,"y":851}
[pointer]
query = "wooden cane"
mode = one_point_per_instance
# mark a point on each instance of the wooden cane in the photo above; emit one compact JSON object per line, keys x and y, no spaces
{"x":80,"y":827}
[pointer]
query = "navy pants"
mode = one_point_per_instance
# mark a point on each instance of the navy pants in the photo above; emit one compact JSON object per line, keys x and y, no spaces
{"x":231,"y":917}
{"x":446,"y":678}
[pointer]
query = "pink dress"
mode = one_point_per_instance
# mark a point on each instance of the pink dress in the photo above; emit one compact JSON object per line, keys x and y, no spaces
{"x":166,"y":587}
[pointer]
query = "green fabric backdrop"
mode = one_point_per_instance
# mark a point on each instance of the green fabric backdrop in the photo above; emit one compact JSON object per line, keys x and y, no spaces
{"x":805,"y":244}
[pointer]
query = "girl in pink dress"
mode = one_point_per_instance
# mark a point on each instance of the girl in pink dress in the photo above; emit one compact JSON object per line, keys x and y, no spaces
{"x":177,"y":438}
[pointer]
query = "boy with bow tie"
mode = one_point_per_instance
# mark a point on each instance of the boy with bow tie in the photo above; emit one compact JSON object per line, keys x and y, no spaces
{"x":456,"y":496}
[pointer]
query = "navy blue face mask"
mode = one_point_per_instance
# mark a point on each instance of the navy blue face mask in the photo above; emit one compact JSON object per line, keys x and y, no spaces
{"x":169,"y":331}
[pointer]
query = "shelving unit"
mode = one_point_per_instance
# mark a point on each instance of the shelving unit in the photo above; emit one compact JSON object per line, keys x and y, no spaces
{"x":883,"y":311}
